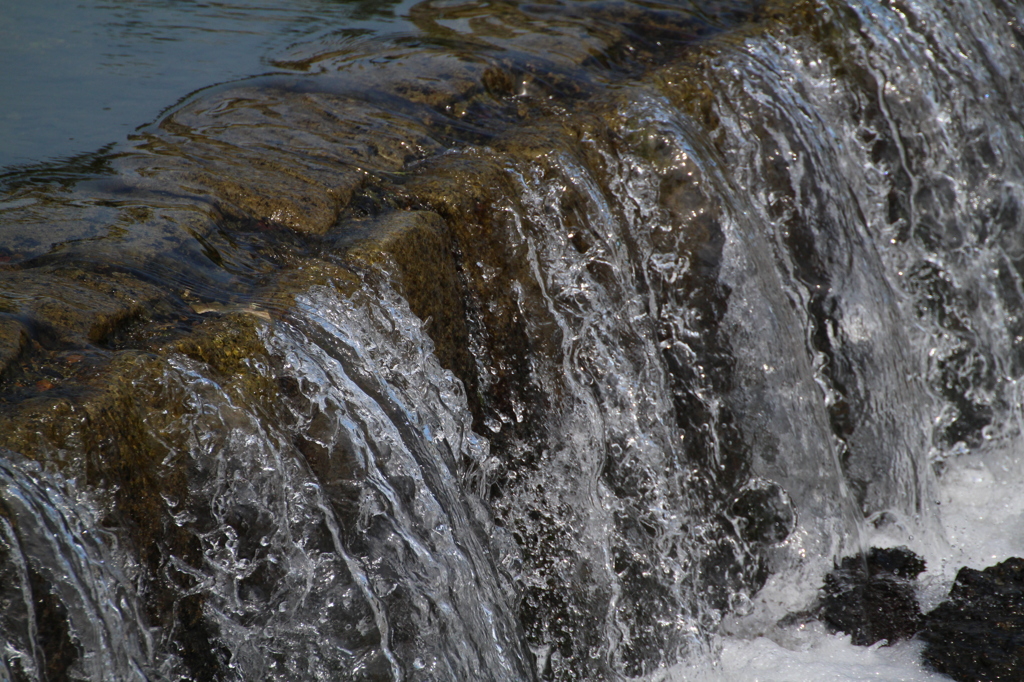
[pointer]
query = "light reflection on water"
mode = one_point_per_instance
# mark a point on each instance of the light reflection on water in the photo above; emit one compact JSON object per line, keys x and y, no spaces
{"x":644,"y":277}
{"x":78,"y":75}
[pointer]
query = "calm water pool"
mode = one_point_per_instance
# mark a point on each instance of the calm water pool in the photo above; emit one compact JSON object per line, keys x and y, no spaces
{"x":78,"y":75}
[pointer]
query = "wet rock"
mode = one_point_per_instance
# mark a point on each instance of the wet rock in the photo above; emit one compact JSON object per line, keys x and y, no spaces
{"x":419,"y":245}
{"x":13,"y":340}
{"x":763,"y":513}
{"x":871,"y":596}
{"x":978,"y":634}
{"x":73,"y":306}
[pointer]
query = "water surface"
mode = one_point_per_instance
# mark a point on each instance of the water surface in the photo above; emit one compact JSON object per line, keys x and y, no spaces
{"x":81,"y":74}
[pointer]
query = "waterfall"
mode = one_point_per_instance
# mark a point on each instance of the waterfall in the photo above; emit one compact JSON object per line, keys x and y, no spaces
{"x":551,"y":342}
{"x":65,"y":584}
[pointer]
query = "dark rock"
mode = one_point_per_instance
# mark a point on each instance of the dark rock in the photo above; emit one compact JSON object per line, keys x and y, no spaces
{"x":763,"y":513}
{"x":978,"y":634}
{"x":871,"y":597}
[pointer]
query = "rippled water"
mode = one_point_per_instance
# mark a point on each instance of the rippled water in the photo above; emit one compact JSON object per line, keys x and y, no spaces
{"x":556,"y":341}
{"x":79,"y":76}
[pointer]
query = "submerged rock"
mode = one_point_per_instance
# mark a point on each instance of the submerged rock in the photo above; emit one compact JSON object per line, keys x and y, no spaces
{"x":978,"y":633}
{"x":763,"y":513}
{"x":871,"y":596}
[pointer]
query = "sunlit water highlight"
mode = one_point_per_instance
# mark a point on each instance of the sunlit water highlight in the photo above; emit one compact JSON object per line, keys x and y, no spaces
{"x":823,"y":296}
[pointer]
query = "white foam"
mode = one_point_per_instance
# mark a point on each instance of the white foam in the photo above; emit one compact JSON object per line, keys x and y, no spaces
{"x":829,"y":658}
{"x":982,"y":507}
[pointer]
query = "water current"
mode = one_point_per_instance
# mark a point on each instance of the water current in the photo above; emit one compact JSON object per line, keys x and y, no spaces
{"x":533,"y":341}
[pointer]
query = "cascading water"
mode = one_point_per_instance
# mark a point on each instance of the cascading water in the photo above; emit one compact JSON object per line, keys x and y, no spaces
{"x":555,"y":342}
{"x":49,"y":536}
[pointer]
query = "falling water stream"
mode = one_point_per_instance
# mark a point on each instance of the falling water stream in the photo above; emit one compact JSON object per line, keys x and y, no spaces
{"x":552,"y":341}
